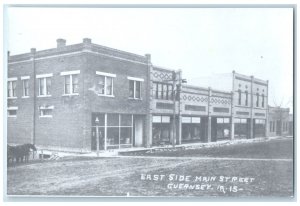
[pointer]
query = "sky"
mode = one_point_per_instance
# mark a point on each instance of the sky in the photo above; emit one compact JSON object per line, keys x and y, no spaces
{"x":207,"y":44}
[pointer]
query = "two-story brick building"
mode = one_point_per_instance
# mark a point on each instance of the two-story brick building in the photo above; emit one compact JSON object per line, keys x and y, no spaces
{"x":58,"y":98}
{"x":55,"y":96}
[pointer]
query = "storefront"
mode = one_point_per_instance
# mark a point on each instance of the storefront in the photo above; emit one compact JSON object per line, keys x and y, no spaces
{"x":161,"y":130}
{"x":192,"y":130}
{"x":240,"y":128}
{"x":116,"y":131}
{"x":259,"y":127}
{"x":220,"y":128}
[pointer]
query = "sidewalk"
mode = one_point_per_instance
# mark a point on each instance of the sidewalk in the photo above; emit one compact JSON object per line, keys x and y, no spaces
{"x":135,"y":150}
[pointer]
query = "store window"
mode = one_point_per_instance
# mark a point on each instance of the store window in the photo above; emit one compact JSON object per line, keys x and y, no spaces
{"x":117,"y":129}
{"x":161,"y":129}
{"x":191,"y":129}
{"x":223,"y":128}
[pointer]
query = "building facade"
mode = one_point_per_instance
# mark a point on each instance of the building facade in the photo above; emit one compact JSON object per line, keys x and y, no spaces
{"x":279,"y":121}
{"x":75,"y":96}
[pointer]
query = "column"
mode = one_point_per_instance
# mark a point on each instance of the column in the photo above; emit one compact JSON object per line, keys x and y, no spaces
{"x":232,"y":128}
{"x":252,"y":105}
{"x":209,"y":116}
{"x":179,"y":129}
{"x":209,"y":129}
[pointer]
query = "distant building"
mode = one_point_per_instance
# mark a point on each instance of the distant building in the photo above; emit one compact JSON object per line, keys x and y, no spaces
{"x":279,"y":120}
{"x":59,"y":98}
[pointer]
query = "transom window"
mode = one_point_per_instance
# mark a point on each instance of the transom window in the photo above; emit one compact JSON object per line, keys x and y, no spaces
{"x":11,"y":88}
{"x":135,"y":85}
{"x":105,"y":83}
{"x":44,"y":81}
{"x":71,"y":82}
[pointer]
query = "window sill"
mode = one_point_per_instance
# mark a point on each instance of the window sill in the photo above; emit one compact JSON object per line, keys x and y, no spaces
{"x":135,"y":98}
{"x":12,"y":116}
{"x":46,"y":116}
{"x":73,"y":94}
{"x":12,"y":97}
{"x":103,"y":95}
{"x":25,"y":97}
{"x":44,"y":95}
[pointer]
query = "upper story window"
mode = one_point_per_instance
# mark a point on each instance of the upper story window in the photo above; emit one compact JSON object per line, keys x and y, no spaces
{"x":263,"y":100}
{"x":25,"y":83}
{"x":105,"y":83}
{"x":240,"y":97}
{"x":45,"y":111}
{"x":12,"y":87}
{"x":257,"y":100}
{"x":246,"y":100}
{"x":71,"y":82}
{"x":135,"y":86}
{"x":162,"y":91}
{"x":44,"y":83}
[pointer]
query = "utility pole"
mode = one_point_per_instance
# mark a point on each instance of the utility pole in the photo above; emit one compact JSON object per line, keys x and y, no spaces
{"x":174,"y":79}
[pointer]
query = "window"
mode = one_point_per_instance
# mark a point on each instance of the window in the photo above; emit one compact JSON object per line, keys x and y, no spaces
{"x":105,"y":83}
{"x":71,"y":82}
{"x":162,"y":91}
{"x":257,"y":100}
{"x":25,"y":82}
{"x":11,"y":88}
{"x":246,"y":101}
{"x":240,"y":97}
{"x":44,"y":83}
{"x":135,"y":85}
{"x":12,"y":111}
{"x":263,"y":100}
{"x":45,"y":111}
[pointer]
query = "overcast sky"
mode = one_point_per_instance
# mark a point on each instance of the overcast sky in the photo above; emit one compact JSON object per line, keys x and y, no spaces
{"x":202,"y":42}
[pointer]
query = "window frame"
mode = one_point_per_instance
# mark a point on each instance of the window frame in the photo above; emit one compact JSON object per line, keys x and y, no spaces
{"x":44,"y":78}
{"x":24,"y":89}
{"x":106,"y":75}
{"x":135,"y":80}
{"x":42,"y":108}
{"x":12,"y":109}
{"x":70,"y":74}
{"x":239,"y":97}
{"x":10,"y":82}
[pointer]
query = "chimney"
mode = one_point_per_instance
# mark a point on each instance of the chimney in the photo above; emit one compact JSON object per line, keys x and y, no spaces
{"x":61,"y":43}
{"x":32,"y":50}
{"x":148,"y":56}
{"x":87,"y":41}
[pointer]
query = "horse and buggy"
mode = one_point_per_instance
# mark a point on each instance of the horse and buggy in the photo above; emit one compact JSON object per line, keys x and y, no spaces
{"x":19,"y":153}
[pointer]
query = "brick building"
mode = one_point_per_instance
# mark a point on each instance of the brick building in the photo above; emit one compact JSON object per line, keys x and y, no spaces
{"x":59,"y":98}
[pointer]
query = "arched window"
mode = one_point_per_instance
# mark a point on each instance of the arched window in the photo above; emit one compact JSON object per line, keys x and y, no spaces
{"x":263,"y":100}
{"x":246,"y":101}
{"x":257,"y":100}
{"x":240,"y":96}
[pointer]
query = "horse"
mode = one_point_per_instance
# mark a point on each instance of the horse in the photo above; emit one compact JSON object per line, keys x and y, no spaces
{"x":19,"y":152}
